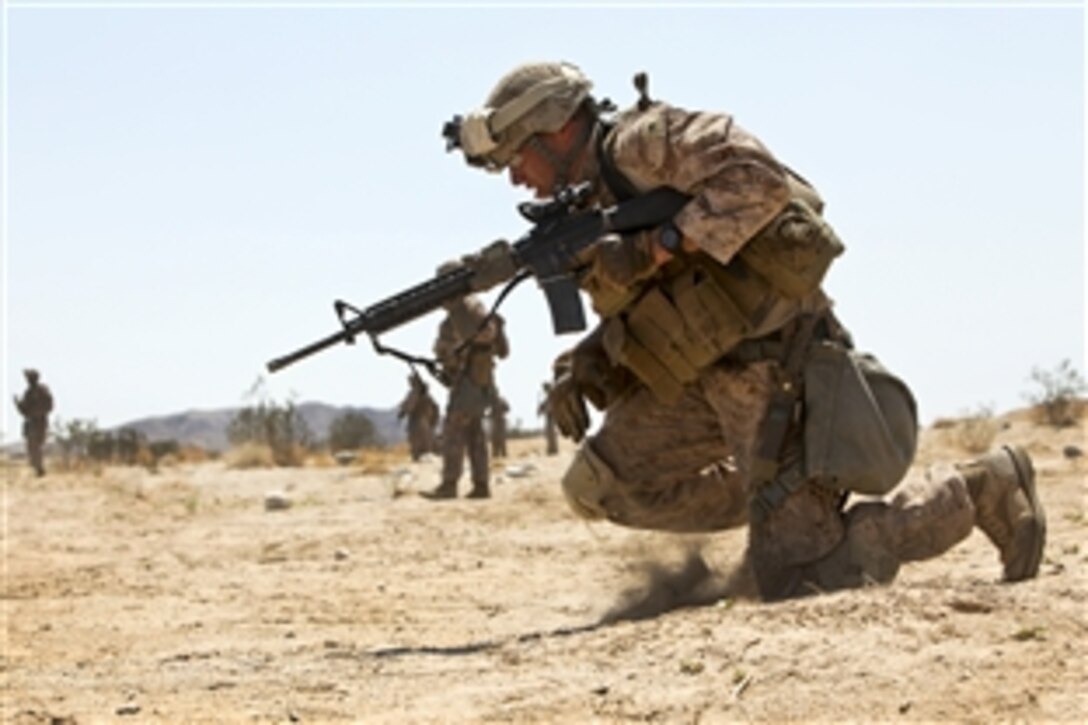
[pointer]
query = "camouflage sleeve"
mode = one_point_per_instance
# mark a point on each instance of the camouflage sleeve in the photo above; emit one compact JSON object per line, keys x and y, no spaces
{"x":446,"y":341}
{"x":737,"y":185}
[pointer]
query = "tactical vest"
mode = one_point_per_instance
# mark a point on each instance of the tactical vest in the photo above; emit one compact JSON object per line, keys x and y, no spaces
{"x":695,"y":310}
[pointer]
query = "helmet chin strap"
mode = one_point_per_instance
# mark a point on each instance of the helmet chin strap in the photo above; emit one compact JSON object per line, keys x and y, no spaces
{"x":561,"y":164}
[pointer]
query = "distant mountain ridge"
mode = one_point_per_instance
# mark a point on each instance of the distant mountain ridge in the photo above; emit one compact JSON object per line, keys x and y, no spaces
{"x":208,"y":428}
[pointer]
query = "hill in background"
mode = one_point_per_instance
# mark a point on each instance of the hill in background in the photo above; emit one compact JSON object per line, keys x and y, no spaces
{"x":208,"y":428}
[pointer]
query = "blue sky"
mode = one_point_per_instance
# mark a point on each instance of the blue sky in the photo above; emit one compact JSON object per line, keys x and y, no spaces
{"x":188,"y":187}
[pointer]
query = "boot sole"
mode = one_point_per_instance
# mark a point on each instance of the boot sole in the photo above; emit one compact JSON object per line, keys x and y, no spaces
{"x":1032,"y":537}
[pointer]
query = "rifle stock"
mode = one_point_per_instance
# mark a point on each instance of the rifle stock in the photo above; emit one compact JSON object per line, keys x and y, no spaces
{"x":549,"y":250}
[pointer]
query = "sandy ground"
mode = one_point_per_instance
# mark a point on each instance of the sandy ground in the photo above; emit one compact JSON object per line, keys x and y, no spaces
{"x":176,"y":597}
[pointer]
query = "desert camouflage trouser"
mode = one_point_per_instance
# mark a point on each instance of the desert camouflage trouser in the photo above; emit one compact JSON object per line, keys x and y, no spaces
{"x":684,"y":468}
{"x":464,"y":431}
{"x":35,"y":431}
{"x":420,"y":437}
{"x":809,"y":546}
{"x":679,"y":467}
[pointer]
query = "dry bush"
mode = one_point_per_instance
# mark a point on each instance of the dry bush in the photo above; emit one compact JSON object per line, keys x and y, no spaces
{"x":250,"y":455}
{"x":193,"y":454}
{"x":277,"y":425}
{"x":320,"y":459}
{"x":977,"y":430}
{"x":1059,"y":401}
{"x":373,"y":461}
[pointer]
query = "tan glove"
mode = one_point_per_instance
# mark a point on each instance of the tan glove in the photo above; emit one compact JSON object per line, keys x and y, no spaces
{"x":568,"y":407}
{"x":584,"y":373}
{"x":599,"y":380}
{"x":492,"y":265}
{"x":622,"y":261}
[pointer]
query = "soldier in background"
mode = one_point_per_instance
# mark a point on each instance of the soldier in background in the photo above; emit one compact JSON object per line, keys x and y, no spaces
{"x":35,"y":407}
{"x":551,"y":439}
{"x":421,"y":412}
{"x":499,"y":409}
{"x":467,"y":345}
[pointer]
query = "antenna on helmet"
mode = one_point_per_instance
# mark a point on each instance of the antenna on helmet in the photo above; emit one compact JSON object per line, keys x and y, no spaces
{"x":642,"y":85}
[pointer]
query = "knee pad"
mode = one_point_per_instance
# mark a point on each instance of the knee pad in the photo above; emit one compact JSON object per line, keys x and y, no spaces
{"x":587,"y":482}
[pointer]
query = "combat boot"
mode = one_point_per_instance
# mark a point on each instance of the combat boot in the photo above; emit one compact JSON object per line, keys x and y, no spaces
{"x":479,"y":490}
{"x":1007,"y":508}
{"x":445,"y":490}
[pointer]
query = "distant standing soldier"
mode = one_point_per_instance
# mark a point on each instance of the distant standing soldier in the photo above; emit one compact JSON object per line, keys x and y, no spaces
{"x":467,"y":345}
{"x":35,"y":407}
{"x":421,"y":410}
{"x":551,"y":440}
{"x":499,"y":409}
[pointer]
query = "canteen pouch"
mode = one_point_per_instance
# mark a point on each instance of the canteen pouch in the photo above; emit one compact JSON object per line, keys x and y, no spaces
{"x":794,"y":250}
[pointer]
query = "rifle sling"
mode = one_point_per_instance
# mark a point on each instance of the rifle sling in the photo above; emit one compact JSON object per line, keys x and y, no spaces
{"x":771,"y":484}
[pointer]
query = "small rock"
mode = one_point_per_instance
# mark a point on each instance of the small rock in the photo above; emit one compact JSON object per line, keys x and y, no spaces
{"x":341,"y":554}
{"x":276,"y":501}
{"x":344,"y":458}
{"x":1072,"y":452}
{"x":520,"y":470}
{"x":128,"y":709}
{"x":970,"y":606}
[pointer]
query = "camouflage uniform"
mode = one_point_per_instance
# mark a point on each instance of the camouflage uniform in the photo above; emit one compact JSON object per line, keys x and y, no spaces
{"x":686,"y":464}
{"x":730,"y":391}
{"x":551,"y":436}
{"x":497,"y":420}
{"x":421,"y":412}
{"x":467,"y":354}
{"x":35,"y":407}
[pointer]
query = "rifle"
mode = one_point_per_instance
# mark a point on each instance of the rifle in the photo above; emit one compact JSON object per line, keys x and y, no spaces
{"x":549,"y":252}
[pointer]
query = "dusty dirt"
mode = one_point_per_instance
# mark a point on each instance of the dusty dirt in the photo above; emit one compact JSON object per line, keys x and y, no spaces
{"x":176,"y":597}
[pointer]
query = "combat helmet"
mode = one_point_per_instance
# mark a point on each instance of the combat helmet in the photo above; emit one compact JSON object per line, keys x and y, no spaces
{"x":532,"y":98}
{"x":32,"y":376}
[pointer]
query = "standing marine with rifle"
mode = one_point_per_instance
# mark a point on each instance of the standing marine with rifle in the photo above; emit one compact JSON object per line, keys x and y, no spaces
{"x":730,"y":391}
{"x":468,"y":342}
{"x":421,"y":412}
{"x":35,"y":407}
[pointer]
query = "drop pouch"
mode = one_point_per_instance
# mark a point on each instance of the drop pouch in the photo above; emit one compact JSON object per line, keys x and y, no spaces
{"x":861,"y":421}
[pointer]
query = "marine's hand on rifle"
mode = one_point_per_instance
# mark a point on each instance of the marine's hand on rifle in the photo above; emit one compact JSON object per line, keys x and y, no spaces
{"x":622,"y":261}
{"x":492,"y":265}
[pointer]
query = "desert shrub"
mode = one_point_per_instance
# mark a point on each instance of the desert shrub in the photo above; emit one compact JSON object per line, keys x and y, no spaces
{"x":976,"y":430}
{"x":279,"y":426}
{"x":352,"y":430}
{"x":190,"y":453}
{"x":1058,"y":400}
{"x":162,"y":448}
{"x":250,"y":455}
{"x":74,"y":439}
{"x":373,"y":461}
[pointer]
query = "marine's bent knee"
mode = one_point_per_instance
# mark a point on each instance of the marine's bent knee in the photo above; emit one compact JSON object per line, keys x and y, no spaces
{"x":587,"y":482}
